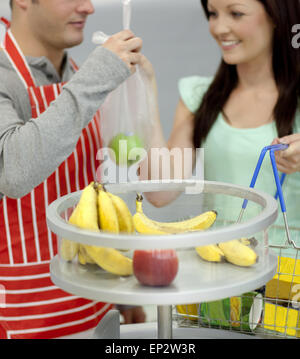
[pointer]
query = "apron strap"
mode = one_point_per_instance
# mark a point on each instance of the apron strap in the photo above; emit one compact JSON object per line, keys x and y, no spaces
{"x":5,"y":22}
{"x":17,"y":59}
{"x":73,"y":64}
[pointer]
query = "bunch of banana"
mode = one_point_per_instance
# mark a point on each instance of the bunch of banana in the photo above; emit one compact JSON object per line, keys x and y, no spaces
{"x":238,"y":253}
{"x":145,"y":225}
{"x":211,"y":253}
{"x":84,"y":216}
{"x":100,"y":210}
{"x":235,"y":252}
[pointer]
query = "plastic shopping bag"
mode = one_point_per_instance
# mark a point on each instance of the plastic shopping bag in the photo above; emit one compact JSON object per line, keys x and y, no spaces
{"x":126,"y":114}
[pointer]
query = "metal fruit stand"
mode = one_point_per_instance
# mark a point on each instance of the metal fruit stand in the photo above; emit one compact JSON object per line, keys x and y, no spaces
{"x":197,"y":281}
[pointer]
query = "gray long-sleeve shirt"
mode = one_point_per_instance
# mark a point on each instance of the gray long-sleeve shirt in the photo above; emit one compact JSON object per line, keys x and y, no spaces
{"x":31,"y":149}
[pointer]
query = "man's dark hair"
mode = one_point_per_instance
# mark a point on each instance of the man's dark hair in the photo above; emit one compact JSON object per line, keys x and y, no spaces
{"x":10,"y":3}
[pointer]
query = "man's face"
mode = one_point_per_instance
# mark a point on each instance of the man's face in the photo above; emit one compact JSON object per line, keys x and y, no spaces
{"x":59,"y":23}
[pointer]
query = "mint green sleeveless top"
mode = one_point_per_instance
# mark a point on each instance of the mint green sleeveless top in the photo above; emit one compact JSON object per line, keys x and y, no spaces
{"x":231,"y":155}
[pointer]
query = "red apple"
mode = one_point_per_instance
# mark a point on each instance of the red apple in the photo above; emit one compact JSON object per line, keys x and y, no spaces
{"x":156,"y":267}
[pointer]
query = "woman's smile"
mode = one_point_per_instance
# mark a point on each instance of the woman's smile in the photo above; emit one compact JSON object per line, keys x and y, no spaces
{"x":229,"y":44}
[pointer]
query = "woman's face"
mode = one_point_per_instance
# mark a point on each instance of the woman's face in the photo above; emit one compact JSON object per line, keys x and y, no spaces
{"x":242,"y":28}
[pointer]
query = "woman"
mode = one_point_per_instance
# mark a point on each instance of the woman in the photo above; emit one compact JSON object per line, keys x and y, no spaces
{"x":252,"y":101}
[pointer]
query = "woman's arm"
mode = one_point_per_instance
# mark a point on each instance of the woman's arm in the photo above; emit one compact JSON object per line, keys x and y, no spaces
{"x":168,"y":159}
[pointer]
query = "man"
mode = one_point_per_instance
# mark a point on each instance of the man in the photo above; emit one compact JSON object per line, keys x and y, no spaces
{"x":49,"y":137}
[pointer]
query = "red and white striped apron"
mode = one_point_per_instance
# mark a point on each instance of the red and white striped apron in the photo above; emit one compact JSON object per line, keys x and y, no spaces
{"x":34,"y":307}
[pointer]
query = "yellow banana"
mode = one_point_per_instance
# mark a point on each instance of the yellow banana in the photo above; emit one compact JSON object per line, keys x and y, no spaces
{"x":83,"y":257}
{"x":108,"y":218}
{"x":145,"y":225}
{"x":237,"y":253}
{"x":110,"y":260}
{"x":84,"y":216}
{"x":123,"y":213}
{"x":68,"y":249}
{"x":252,"y":242}
{"x":211,"y":253}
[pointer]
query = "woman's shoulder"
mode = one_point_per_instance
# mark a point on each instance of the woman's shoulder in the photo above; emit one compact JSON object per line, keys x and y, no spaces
{"x":192,"y":89}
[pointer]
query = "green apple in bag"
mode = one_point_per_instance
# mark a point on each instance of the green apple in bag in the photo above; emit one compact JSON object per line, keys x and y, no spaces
{"x":123,"y":146}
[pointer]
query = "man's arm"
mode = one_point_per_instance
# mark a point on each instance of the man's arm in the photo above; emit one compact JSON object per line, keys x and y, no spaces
{"x":30,"y":152}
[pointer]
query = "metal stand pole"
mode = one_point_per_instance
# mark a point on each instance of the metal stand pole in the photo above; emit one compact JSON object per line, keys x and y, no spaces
{"x":164,"y":321}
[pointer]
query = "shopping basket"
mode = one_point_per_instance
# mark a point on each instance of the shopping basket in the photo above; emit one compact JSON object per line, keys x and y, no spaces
{"x":272,"y":311}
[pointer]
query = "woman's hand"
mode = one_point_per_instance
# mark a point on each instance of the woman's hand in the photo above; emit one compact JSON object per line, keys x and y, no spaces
{"x":147,"y":67}
{"x":288,"y":161}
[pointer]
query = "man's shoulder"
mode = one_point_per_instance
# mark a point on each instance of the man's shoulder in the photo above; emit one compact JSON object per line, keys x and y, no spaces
{"x":9,"y":78}
{"x":4,"y":62}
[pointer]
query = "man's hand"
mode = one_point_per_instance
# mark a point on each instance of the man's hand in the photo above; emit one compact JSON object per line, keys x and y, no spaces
{"x":134,"y":315}
{"x":288,"y":161}
{"x":125,"y":45}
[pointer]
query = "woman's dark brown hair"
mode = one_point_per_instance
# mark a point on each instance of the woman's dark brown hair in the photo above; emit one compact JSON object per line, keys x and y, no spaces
{"x":286,"y":68}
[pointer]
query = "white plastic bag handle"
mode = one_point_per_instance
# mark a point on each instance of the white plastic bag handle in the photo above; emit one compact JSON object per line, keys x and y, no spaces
{"x":126,"y":14}
{"x":100,"y":37}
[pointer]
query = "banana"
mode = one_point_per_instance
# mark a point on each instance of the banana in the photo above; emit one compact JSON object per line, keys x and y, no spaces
{"x":83,"y":257}
{"x":145,"y":225}
{"x":84,"y":216}
{"x":68,"y":249}
{"x":252,"y":242}
{"x":94,"y":207}
{"x":211,"y":253}
{"x":108,"y":217}
{"x":123,"y":213}
{"x":110,"y":260}
{"x":237,"y":253}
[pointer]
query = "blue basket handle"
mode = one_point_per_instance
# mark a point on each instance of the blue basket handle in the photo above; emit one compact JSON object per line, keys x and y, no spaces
{"x":279,"y":182}
{"x":272,"y":149}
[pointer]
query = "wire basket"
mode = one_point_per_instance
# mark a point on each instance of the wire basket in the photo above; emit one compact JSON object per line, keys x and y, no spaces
{"x":272,"y":311}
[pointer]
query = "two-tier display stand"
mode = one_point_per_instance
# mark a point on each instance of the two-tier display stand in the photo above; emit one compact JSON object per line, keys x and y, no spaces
{"x":197,"y":281}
